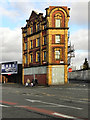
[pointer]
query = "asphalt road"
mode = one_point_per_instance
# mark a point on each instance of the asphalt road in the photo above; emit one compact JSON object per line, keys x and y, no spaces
{"x":65,"y":101}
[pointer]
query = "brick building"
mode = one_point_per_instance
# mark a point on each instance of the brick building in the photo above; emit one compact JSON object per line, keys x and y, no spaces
{"x":45,"y":46}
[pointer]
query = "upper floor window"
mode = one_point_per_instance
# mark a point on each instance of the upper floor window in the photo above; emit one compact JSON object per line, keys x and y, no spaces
{"x":38,"y":56}
{"x":57,"y":23}
{"x":57,"y":54}
{"x":31,"y":58}
{"x":38,"y":42}
{"x":44,"y":55}
{"x":25,"y":45}
{"x":45,"y":26}
{"x":31,"y":30}
{"x":44,"y":40}
{"x":26,"y":59}
{"x":57,"y":39}
{"x":38,"y":27}
{"x":31,"y":44}
{"x":34,"y":27}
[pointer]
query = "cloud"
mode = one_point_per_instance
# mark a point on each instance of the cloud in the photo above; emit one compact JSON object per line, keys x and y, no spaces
{"x":79,"y":13}
{"x":9,"y":13}
{"x":48,"y":0}
{"x":79,"y":58}
{"x":80,"y":39}
{"x":11,"y":47}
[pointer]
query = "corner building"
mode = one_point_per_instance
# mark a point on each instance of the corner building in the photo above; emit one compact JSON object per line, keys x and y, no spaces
{"x":45,"y":46}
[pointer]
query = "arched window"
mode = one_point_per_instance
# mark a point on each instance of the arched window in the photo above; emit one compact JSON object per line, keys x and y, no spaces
{"x":57,"y":18}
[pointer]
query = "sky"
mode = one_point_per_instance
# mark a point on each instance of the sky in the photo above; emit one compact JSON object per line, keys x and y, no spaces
{"x":13,"y":16}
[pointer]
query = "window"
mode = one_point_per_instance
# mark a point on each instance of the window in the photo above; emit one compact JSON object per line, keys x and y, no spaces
{"x":37,"y":56}
{"x":45,"y":26}
{"x":57,"y":39}
{"x":25,"y":46}
{"x":38,"y":42}
{"x":6,"y":66}
{"x":31,"y":44}
{"x":31,"y":30}
{"x":44,"y":42}
{"x":25,"y":58}
{"x":57,"y":54}
{"x":57,"y":23}
{"x":34,"y":27}
{"x":44,"y":55}
{"x":9,"y":65}
{"x":31,"y":58}
{"x":38,"y":27}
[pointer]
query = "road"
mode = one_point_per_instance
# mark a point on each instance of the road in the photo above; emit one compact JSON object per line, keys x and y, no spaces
{"x":65,"y":101}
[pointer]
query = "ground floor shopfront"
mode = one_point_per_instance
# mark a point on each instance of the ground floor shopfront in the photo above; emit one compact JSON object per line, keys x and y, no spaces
{"x":46,"y":75}
{"x":13,"y":78}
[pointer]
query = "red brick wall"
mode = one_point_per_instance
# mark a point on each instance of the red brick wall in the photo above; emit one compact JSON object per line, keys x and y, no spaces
{"x":34,"y":43}
{"x":41,"y":78}
{"x":51,"y":7}
{"x":53,"y":39}
{"x":30,"y":77}
{"x":62,"y":38}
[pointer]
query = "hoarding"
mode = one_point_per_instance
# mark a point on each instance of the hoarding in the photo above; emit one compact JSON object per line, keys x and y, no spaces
{"x":9,"y":67}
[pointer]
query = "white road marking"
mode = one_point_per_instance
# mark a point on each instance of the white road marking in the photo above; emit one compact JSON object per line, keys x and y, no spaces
{"x":53,"y":113}
{"x":62,"y":115}
{"x":54,"y":104}
{"x":65,"y":116}
{"x":72,"y":100}
{"x":82,"y":89}
{"x":4,"y":105}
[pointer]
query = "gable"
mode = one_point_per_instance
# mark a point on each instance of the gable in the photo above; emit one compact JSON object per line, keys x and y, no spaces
{"x":33,"y":15}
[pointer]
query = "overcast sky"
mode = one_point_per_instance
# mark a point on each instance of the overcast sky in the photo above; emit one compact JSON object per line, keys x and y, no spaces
{"x":13,"y":16}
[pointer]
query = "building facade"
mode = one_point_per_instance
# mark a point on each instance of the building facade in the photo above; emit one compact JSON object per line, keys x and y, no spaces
{"x":45,"y":46}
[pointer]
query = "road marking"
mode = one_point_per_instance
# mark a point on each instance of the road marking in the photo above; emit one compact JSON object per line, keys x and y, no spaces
{"x":86,"y":89}
{"x":9,"y":103}
{"x":54,"y":104}
{"x":60,"y":115}
{"x":72,"y":100}
{"x":66,"y":116}
{"x":4,"y":105}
